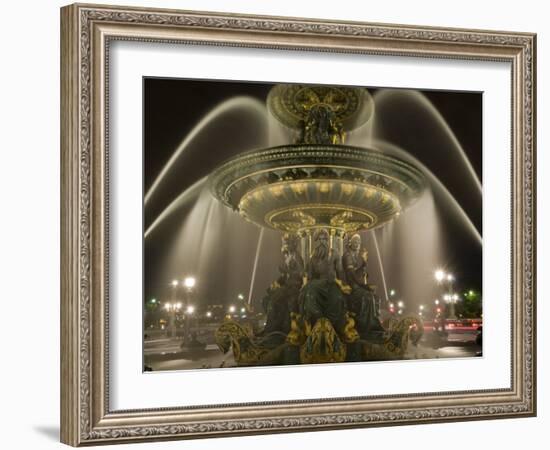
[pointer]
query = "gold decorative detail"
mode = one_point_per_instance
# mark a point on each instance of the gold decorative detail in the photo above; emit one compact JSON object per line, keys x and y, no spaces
{"x":369,"y":193}
{"x":345,"y":288}
{"x":298,"y":188}
{"x":396,"y":343}
{"x":289,"y":226}
{"x":350,"y":333}
{"x":348,"y":188}
{"x":305,"y":219}
{"x":277,"y":191}
{"x":231,"y":335}
{"x":322,"y":213}
{"x":341,"y":219}
{"x":322,"y":345}
{"x":307,"y":325}
{"x":296,"y":335}
{"x":324,"y":187}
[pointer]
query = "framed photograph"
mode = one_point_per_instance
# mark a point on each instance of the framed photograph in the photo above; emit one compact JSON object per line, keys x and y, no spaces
{"x":277,"y":225}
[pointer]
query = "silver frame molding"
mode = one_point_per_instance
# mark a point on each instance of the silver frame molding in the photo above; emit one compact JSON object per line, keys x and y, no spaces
{"x":86,"y":31}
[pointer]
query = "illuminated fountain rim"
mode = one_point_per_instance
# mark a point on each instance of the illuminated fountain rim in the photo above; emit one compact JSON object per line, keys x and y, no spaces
{"x":294,"y":188}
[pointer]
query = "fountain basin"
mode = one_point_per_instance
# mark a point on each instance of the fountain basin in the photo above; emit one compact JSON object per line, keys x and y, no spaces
{"x":296,"y":188}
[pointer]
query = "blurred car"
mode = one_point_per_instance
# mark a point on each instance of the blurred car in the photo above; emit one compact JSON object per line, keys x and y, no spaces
{"x":440,"y":332}
{"x":463,"y":330}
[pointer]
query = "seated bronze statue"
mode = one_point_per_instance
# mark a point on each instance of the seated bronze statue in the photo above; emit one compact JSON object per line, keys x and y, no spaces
{"x":362,"y":301}
{"x":323,"y":293}
{"x":282,"y":296}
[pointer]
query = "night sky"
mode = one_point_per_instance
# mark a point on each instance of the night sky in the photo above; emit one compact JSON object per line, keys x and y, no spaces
{"x":172,"y":107}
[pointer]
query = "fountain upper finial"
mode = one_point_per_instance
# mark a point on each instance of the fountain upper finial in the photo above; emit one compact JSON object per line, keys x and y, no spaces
{"x":321,"y":114}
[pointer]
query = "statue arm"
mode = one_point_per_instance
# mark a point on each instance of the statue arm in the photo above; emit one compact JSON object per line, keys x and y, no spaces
{"x":340,"y":276}
{"x":337,"y":262}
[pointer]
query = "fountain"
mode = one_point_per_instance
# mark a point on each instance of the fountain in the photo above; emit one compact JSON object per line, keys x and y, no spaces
{"x":319,"y":193}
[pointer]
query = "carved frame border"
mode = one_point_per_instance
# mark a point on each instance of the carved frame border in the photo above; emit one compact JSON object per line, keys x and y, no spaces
{"x":86,"y":31}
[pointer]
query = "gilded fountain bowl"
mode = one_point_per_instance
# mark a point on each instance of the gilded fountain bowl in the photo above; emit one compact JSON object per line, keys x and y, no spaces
{"x":296,"y":188}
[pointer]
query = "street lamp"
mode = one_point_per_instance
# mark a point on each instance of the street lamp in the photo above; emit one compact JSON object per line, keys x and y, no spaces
{"x":189,"y":282}
{"x":172,"y":308}
{"x":453,"y":297}
{"x":450,"y":297}
{"x":439,"y":275}
{"x":240,"y":297}
{"x":400,"y":304}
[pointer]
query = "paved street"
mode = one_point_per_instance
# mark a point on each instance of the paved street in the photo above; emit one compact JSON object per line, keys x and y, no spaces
{"x":423,"y":351}
{"x":167,"y":354}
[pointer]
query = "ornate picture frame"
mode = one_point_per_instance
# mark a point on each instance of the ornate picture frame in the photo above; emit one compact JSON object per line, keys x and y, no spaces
{"x":86,"y":34}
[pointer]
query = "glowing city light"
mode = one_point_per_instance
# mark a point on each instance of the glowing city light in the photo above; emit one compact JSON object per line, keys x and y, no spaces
{"x":439,"y":275}
{"x":189,"y":282}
